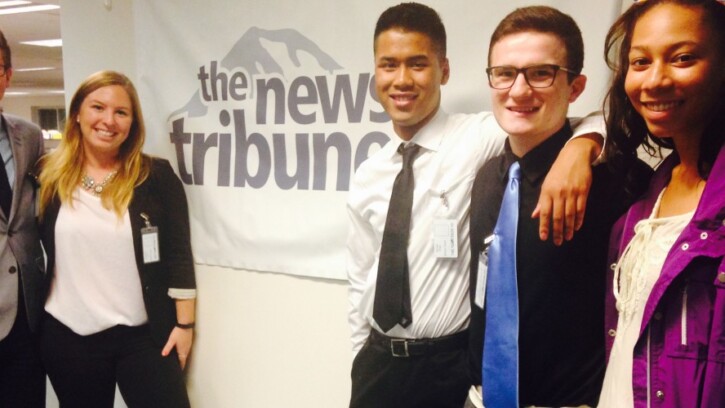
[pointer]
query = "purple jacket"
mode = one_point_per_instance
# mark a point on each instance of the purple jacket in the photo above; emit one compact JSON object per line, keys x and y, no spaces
{"x":679,"y":359}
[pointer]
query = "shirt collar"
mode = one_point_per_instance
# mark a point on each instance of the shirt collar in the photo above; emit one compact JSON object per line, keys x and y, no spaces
{"x":536,"y":163}
{"x":429,"y":136}
{"x":3,"y":128}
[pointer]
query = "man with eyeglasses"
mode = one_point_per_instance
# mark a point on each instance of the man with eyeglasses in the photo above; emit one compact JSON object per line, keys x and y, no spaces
{"x":22,"y":378}
{"x":408,"y":267}
{"x":536,"y":309}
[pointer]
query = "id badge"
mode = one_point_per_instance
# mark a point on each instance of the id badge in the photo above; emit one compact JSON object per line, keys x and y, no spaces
{"x":150,"y":241}
{"x":482,"y":273}
{"x":445,"y":238}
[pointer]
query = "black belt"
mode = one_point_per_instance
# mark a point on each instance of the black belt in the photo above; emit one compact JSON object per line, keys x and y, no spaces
{"x":400,"y":347}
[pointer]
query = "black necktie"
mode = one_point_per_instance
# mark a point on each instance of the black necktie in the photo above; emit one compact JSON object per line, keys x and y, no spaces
{"x":6,"y":193}
{"x":392,"y":289}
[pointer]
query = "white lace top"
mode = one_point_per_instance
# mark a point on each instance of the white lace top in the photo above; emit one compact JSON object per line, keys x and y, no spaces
{"x":636,"y":272}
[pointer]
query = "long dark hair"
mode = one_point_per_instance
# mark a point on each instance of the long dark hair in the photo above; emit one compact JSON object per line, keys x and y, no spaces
{"x":626,"y":129}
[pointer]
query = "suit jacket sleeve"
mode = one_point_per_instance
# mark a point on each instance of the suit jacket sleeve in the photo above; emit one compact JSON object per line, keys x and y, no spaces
{"x":175,"y":239}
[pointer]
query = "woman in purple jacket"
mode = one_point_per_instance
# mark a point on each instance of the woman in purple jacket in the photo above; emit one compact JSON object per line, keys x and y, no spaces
{"x":666,"y":302}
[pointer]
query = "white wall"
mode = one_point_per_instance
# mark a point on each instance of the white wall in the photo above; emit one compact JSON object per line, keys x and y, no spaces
{"x":263,"y":340}
{"x":95,"y":38}
{"x":21,"y":105}
{"x":269,"y":340}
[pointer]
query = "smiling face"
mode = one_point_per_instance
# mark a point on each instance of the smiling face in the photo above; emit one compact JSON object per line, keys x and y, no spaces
{"x":105,"y":118}
{"x":675,"y":71}
{"x":408,"y":79}
{"x":530,"y":115}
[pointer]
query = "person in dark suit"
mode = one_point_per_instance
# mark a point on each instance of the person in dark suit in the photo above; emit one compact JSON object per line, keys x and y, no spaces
{"x":22,"y":266}
{"x":115,"y":225}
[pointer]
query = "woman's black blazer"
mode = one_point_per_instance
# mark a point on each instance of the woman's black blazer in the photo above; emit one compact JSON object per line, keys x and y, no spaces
{"x":162,"y":199}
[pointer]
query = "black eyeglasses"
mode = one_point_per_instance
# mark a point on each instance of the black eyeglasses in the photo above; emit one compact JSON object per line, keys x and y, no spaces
{"x":537,"y":76}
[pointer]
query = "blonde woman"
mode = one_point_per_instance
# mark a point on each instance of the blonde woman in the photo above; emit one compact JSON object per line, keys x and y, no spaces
{"x":120,"y":306}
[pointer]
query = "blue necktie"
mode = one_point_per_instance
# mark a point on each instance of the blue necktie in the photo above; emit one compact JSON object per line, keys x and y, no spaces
{"x":500,"y":374}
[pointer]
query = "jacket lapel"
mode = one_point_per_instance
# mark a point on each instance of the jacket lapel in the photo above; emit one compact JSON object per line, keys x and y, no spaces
{"x":21,"y":164}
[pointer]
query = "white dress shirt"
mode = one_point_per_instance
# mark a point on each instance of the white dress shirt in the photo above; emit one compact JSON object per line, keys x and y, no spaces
{"x":454,"y":147}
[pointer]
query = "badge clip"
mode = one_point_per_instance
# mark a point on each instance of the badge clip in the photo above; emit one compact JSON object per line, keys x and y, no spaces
{"x":150,"y":241}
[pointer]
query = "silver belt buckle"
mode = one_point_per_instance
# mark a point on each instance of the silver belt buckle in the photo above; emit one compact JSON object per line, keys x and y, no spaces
{"x":399,"y":347}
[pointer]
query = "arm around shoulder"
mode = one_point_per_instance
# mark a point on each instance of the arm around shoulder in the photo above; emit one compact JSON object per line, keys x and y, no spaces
{"x":563,"y":199}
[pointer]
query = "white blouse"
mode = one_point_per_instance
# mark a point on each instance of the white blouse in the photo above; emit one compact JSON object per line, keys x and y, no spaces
{"x":96,"y":284}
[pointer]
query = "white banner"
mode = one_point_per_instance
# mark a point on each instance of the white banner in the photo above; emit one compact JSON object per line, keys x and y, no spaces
{"x":266,"y":108}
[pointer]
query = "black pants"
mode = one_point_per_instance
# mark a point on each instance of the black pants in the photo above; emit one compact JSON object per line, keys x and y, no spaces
{"x":437,"y":380}
{"x":84,"y":370}
{"x":22,"y":378}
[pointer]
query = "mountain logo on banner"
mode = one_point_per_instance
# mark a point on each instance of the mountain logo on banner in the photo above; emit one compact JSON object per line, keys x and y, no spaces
{"x":275,"y":89}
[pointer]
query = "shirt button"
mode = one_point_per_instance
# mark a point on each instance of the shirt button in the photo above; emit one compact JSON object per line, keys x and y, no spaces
{"x":721,"y":277}
{"x":12,"y":269}
{"x":685,"y":246}
{"x":613,"y":266}
{"x":703,"y":235}
{"x":660,"y":395}
{"x":658,"y":316}
{"x":612,"y":332}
